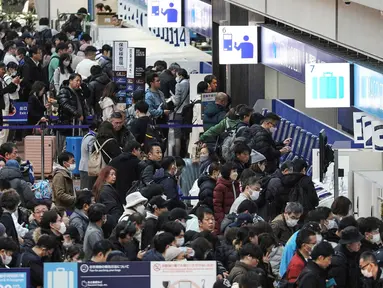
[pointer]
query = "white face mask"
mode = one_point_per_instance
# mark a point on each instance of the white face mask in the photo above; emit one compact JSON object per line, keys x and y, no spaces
{"x":291,"y":222}
{"x":18,"y":58}
{"x":71,"y":37}
{"x":140,"y":209}
{"x":254,"y":195}
{"x":14,"y":73}
{"x":366,"y":273}
{"x":72,"y":167}
{"x":203,"y":158}
{"x":53,"y":50}
{"x":62,"y":228}
{"x":273,"y":129}
{"x":180,"y":242}
{"x":234,"y":176}
{"x":319,"y":238}
{"x":375,"y":238}
{"x":178,"y":79}
{"x":7,"y":260}
{"x":66,"y":63}
{"x":67,"y":244}
{"x":331,"y":224}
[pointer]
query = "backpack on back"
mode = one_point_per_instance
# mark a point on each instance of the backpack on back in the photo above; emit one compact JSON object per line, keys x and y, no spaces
{"x":43,"y":36}
{"x":229,"y":141}
{"x":297,"y":194}
{"x":187,"y":115}
{"x":96,"y":160}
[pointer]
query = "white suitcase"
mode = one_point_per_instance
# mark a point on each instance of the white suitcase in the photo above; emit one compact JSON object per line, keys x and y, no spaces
{"x":60,"y":279}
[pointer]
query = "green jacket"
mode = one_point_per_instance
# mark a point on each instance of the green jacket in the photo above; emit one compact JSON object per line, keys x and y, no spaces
{"x":53,"y":65}
{"x":217,"y":130}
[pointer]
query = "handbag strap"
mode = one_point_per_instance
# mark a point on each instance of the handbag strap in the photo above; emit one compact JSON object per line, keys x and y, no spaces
{"x":102,"y":146}
{"x":183,"y":101}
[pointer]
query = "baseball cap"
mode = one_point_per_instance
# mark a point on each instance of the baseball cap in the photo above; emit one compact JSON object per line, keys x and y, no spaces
{"x":27,"y":35}
{"x":242,"y":219}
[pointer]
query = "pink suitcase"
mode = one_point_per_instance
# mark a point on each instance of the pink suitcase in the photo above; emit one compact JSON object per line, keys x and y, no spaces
{"x":32,"y":146}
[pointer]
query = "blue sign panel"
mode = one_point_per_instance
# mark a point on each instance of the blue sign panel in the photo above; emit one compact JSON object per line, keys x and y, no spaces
{"x":368,"y":91}
{"x":198,"y":17}
{"x":113,"y":275}
{"x":60,"y":275}
{"x":290,"y":56}
{"x":164,"y":13}
{"x":15,"y":277}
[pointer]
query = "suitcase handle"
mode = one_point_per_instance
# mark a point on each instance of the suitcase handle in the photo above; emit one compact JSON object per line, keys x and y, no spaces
{"x":327,"y":74}
{"x":60,"y":269}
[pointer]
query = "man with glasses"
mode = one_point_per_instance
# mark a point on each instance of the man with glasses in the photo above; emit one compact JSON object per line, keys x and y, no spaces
{"x":127,"y":166}
{"x":262,"y":141}
{"x":369,"y":228}
{"x":372,"y":273}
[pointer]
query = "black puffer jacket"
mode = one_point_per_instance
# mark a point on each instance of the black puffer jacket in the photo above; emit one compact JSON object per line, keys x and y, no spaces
{"x":17,"y":182}
{"x":262,"y":142}
{"x":147,"y":170}
{"x":68,"y":109}
{"x":96,"y":87}
{"x":226,"y":254}
{"x":124,"y":136}
{"x":206,"y":186}
{"x":290,"y":180}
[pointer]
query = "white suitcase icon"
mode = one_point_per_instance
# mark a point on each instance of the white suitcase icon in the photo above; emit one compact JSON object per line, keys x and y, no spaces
{"x":60,"y":279}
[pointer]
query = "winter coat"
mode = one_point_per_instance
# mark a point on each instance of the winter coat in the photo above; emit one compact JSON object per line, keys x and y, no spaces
{"x":93,"y":235}
{"x":96,"y":87}
{"x":79,"y":220}
{"x":154,"y":100}
{"x":30,"y":73}
{"x":218,"y":130}
{"x":275,"y":259}
{"x":59,"y":78}
{"x":138,"y":127}
{"x":29,"y":259}
{"x":262,"y":142}
{"x":281,"y":230}
{"x":169,"y":182}
{"x":68,"y":110}
{"x":296,"y":265}
{"x":58,"y":252}
{"x":168,"y":83}
{"x":368,"y":246}
{"x":372,"y":283}
{"x":114,"y":209}
{"x":225,"y":192}
{"x":36,"y":109}
{"x":16,"y":180}
{"x":206,"y":186}
{"x":312,"y":276}
{"x":149,"y":231}
{"x":240,"y":269}
{"x":107,"y":107}
{"x":182,"y":95}
{"x":127,"y":168}
{"x":344,"y":268}
{"x":124,"y":136}
{"x":153,"y":255}
{"x":213,"y":114}
{"x":226,"y":254}
{"x":289,"y":181}
{"x":110,"y":150}
{"x":7,"y":220}
{"x":240,"y":166}
{"x":63,"y":195}
{"x":106,"y":65}
{"x":147,"y":170}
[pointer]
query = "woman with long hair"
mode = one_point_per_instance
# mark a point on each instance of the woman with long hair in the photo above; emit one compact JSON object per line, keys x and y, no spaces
{"x":62,"y":72}
{"x":106,"y":135}
{"x":105,"y":193}
{"x":108,"y":101}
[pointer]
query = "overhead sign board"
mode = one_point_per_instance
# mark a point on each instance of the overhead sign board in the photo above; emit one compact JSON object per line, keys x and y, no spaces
{"x":238,"y":44}
{"x":198,"y":17}
{"x":328,"y":85}
{"x":164,"y":13}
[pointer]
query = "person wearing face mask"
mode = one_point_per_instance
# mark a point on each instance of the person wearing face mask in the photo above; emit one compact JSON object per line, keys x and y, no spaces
{"x":61,"y":48}
{"x":135,"y":203}
{"x":206,"y":183}
{"x":167,"y":177}
{"x":314,"y":275}
{"x":345,"y":262}
{"x":250,"y":191}
{"x":124,"y":233}
{"x":225,"y":193}
{"x":94,"y":233}
{"x":341,"y":207}
{"x":34,"y":258}
{"x":71,"y":237}
{"x":284,"y":225}
{"x":299,"y":180}
{"x":306,"y":240}
{"x":63,"y":195}
{"x":7,"y":248}
{"x":63,"y":71}
{"x":177,"y":230}
{"x":262,"y":141}
{"x":369,"y":228}
{"x":79,"y":217}
{"x":105,"y":193}
{"x":161,"y":242}
{"x":12,"y":69}
{"x":369,"y":267}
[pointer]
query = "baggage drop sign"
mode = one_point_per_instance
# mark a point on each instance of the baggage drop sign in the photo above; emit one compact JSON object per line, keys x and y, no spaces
{"x":328,"y":85}
{"x":15,"y":277}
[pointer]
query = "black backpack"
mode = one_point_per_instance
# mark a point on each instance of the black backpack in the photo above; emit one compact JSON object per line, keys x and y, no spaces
{"x":297,"y":194}
{"x":153,"y":135}
{"x":43,"y":36}
{"x":187,"y":115}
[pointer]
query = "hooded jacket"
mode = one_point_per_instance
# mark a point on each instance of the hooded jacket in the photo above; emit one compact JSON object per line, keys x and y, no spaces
{"x":79,"y":220}
{"x":206,"y":186}
{"x":225,"y":192}
{"x":127,"y":168}
{"x":63,"y":195}
{"x":289,"y":181}
{"x":17,"y":182}
{"x":96,"y":86}
{"x":106,"y":65}
{"x":213,"y":114}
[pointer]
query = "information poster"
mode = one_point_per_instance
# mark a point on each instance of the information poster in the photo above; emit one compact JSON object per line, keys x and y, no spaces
{"x":164,"y":13}
{"x":191,"y":274}
{"x":120,"y":54}
{"x":14,"y":278}
{"x":136,"y":72}
{"x":114,"y":275}
{"x":122,"y":83}
{"x":207,"y":98}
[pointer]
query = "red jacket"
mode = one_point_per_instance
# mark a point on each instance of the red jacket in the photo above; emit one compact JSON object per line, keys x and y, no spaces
{"x":295,"y":267}
{"x":223,"y":198}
